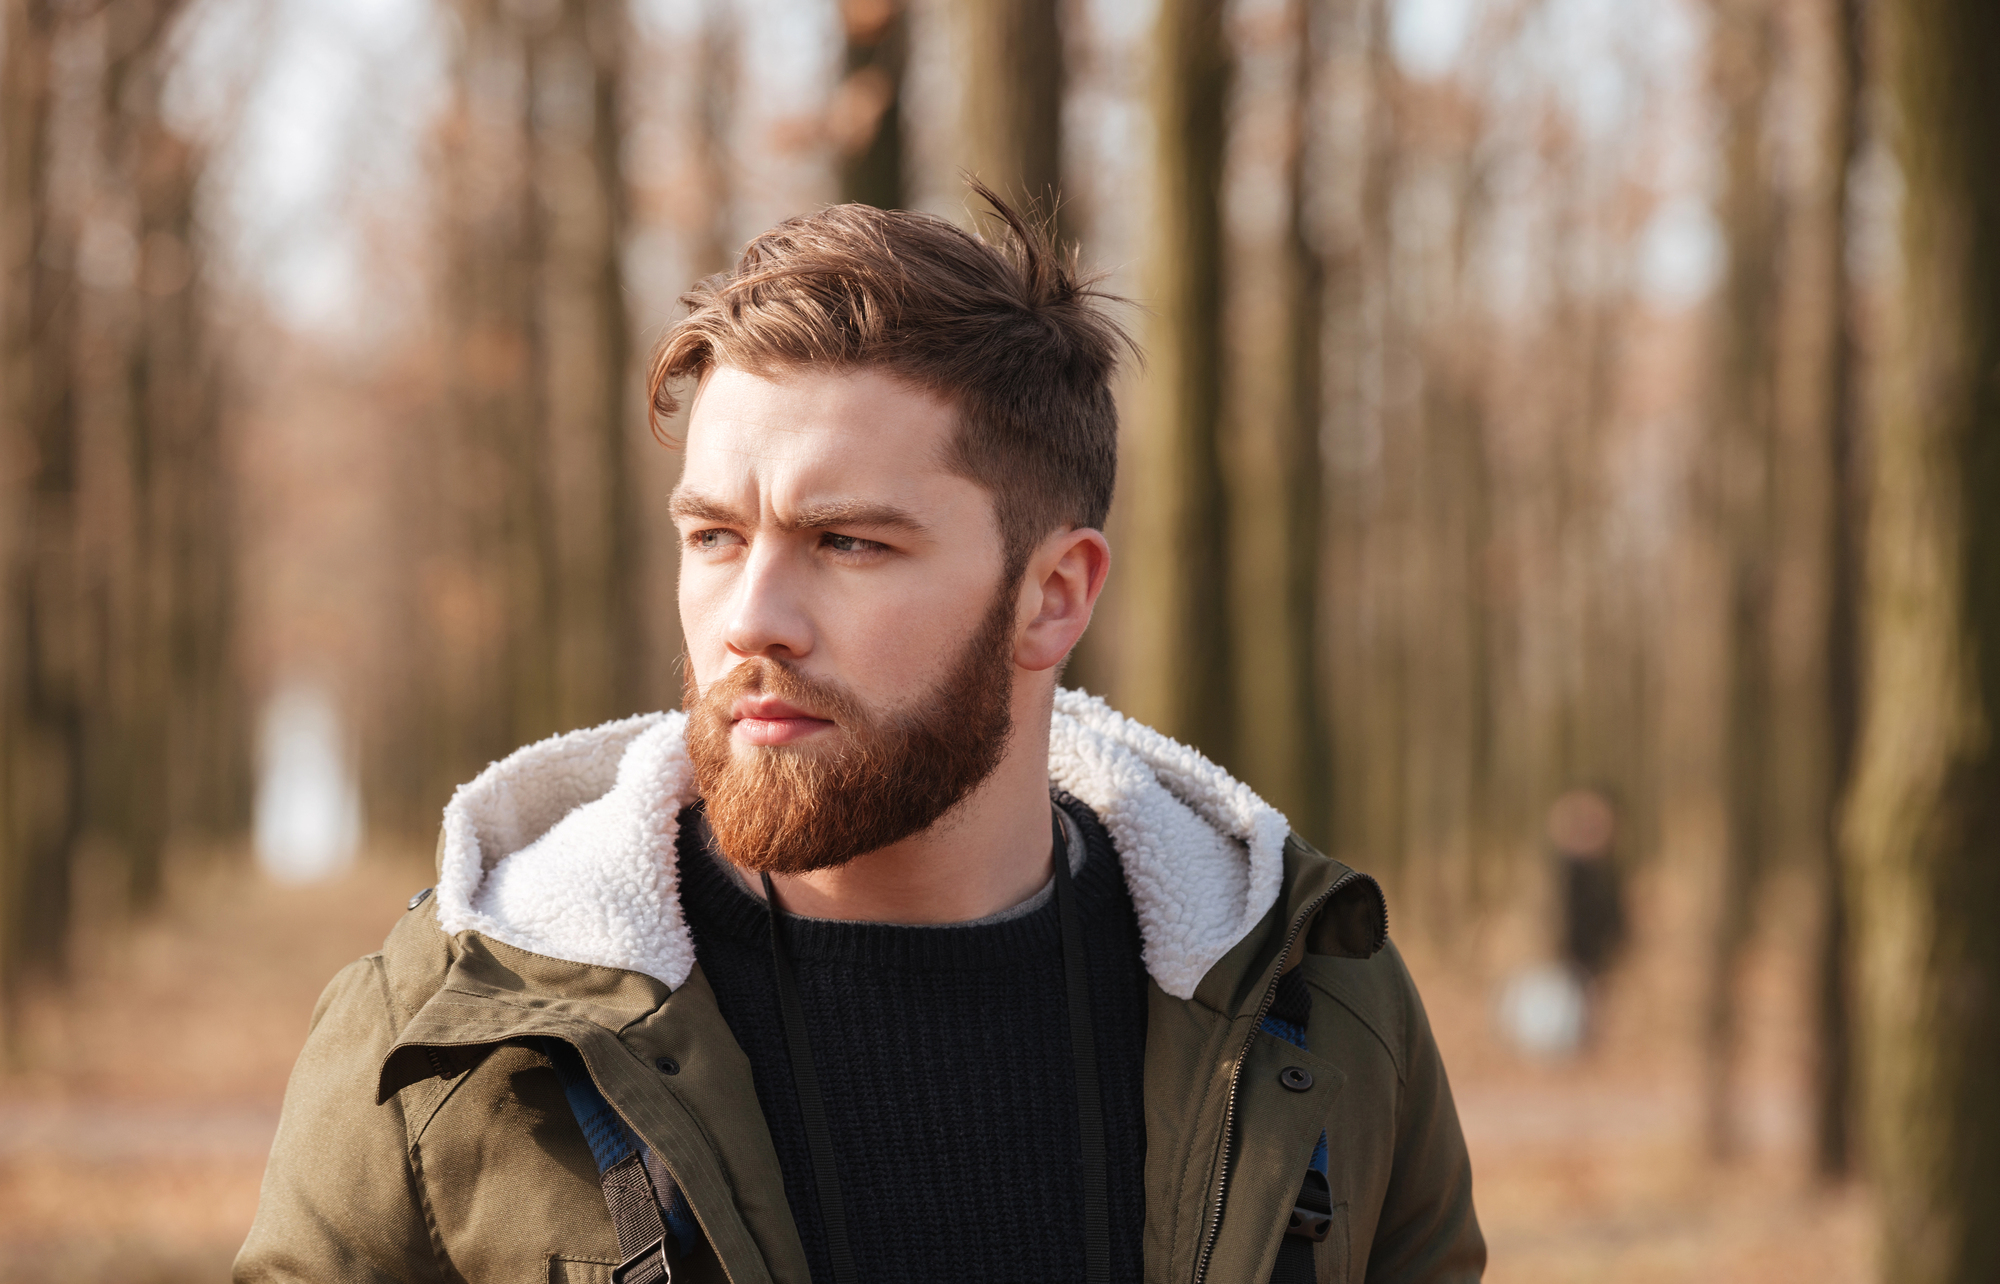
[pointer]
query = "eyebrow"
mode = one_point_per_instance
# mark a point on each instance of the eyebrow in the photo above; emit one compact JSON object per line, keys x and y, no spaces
{"x":686,"y":505}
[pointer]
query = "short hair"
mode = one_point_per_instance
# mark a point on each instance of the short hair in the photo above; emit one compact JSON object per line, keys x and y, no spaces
{"x":1010,"y":333}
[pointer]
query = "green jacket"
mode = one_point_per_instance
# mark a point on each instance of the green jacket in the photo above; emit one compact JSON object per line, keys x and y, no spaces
{"x":423,"y":1137}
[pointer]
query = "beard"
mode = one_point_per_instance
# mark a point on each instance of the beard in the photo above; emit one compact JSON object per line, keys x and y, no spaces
{"x":782,"y":809}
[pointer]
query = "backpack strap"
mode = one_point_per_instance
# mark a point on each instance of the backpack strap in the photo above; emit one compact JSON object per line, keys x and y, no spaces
{"x":650,"y":1215}
{"x":1312,"y":1214}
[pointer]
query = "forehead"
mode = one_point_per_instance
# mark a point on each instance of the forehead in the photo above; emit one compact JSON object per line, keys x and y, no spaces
{"x":798,"y":434}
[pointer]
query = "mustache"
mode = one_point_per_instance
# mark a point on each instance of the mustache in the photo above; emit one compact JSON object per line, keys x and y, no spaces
{"x":762,"y":675}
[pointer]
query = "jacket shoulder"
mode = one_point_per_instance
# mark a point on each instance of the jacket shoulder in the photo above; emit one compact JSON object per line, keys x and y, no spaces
{"x":414,"y":961}
{"x":1377,"y":991}
{"x":340,"y":1200}
{"x":1349,"y":956}
{"x":1351,"y":916}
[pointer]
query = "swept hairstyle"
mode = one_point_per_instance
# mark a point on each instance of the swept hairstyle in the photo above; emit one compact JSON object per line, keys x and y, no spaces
{"x":1007,"y":330}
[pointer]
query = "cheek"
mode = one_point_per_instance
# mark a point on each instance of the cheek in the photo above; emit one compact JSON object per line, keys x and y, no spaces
{"x":704,"y":617}
{"x":903,"y":640}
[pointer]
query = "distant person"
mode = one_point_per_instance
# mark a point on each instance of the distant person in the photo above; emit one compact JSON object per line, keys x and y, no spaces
{"x":886,"y":959}
{"x":1548,"y":1009}
{"x":1583,"y":830}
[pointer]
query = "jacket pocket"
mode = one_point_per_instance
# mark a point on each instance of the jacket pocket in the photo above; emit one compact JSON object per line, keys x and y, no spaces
{"x":579,"y":1270}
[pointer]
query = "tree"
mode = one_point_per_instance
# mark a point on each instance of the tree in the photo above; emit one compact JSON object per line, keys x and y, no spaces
{"x":544,"y":536}
{"x":491,"y":686}
{"x":120,"y":723}
{"x":866,"y":118}
{"x":1923,"y":820}
{"x":42,"y":717}
{"x":168,"y":724}
{"x":1010,"y":64}
{"x":1744,"y":412}
{"x":1271,"y":426}
{"x":604,"y":657}
{"x":1349,"y":179}
{"x":1173,"y":626}
{"x":1833,"y":998}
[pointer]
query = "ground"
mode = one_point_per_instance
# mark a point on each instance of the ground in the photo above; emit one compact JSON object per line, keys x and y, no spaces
{"x":133,"y":1130}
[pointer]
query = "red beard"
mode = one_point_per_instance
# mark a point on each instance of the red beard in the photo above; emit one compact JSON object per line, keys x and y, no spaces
{"x":786,"y":810}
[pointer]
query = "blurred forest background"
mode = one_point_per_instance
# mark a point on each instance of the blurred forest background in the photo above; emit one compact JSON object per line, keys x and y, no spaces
{"x":1586,"y":414}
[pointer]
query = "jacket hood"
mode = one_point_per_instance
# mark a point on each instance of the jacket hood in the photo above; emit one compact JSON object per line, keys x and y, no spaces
{"x":566,"y":848}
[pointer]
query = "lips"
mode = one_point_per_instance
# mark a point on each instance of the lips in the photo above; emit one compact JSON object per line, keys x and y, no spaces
{"x":761,"y":719}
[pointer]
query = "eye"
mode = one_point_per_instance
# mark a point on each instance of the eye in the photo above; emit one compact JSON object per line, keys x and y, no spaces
{"x":849,"y":543}
{"x":709,"y":540}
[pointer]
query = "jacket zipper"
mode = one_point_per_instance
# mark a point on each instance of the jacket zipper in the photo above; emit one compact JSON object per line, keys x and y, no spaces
{"x":1236,"y":1070}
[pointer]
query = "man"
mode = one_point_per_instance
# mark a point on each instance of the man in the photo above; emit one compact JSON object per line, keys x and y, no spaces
{"x":886,"y":960}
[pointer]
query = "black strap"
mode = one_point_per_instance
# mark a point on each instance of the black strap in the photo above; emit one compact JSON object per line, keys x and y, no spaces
{"x":1083,"y":1044}
{"x":1311,"y":1220}
{"x":635,"y":1215}
{"x":635,"y":1209}
{"x":1295,"y":1262}
{"x":805,"y":1080}
{"x":636,"y":1194}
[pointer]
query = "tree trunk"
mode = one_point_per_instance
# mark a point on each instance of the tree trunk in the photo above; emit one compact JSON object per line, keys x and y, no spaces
{"x":1176,"y":669}
{"x":867,"y":115}
{"x":619,"y":619}
{"x":42,"y":732}
{"x":1745,"y":418}
{"x":168,"y":721}
{"x":1271,"y":432}
{"x":1833,"y":1001}
{"x":715,"y":243}
{"x":1923,"y":822}
{"x":487,"y":682}
{"x":546,"y":628}
{"x":1010,"y":61}
{"x":118,"y":716}
{"x":1351,"y":169}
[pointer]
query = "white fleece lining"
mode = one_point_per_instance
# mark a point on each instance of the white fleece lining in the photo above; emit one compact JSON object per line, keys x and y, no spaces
{"x":566,"y":848}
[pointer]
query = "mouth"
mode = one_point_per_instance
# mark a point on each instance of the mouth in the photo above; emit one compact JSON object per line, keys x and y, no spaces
{"x":767,"y":720}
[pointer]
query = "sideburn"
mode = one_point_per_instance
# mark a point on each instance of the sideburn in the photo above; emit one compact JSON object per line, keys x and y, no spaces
{"x":783,"y":810}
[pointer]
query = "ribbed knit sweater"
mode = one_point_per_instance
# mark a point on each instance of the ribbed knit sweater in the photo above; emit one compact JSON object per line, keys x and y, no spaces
{"x":944,"y":1059}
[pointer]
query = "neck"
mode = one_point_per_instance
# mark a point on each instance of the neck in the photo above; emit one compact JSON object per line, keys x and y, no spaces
{"x":987,"y":854}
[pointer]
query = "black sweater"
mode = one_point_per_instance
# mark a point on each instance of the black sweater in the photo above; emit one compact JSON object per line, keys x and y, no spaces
{"x":944,"y":1058}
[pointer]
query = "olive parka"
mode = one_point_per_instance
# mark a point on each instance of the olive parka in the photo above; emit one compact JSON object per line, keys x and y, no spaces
{"x":424,"y":1138}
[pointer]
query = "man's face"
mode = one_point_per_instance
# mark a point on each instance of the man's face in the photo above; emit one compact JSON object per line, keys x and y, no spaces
{"x":849,"y":640}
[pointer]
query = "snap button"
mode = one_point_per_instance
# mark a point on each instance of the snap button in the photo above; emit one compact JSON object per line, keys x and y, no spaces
{"x":667,"y":1065}
{"x":1295,"y":1078}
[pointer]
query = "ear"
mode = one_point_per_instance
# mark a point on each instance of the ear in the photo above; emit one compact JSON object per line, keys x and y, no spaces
{"x":1058,"y":593}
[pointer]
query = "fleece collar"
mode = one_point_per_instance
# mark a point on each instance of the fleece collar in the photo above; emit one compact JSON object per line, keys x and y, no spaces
{"x":566,"y":848}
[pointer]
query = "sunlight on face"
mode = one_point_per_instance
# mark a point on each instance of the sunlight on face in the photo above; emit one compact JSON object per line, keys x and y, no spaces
{"x":820,"y":527}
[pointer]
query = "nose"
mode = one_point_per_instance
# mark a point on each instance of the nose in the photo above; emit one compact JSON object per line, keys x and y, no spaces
{"x":766,"y":615}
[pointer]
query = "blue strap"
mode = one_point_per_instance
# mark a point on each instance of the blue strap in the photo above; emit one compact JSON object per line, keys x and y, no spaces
{"x":611,"y":1139}
{"x":1295,"y":1034}
{"x":1294,"y":1264}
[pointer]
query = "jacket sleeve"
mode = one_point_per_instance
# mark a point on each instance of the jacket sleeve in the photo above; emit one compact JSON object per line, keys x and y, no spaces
{"x":341,"y":1200}
{"x":1427,"y":1232}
